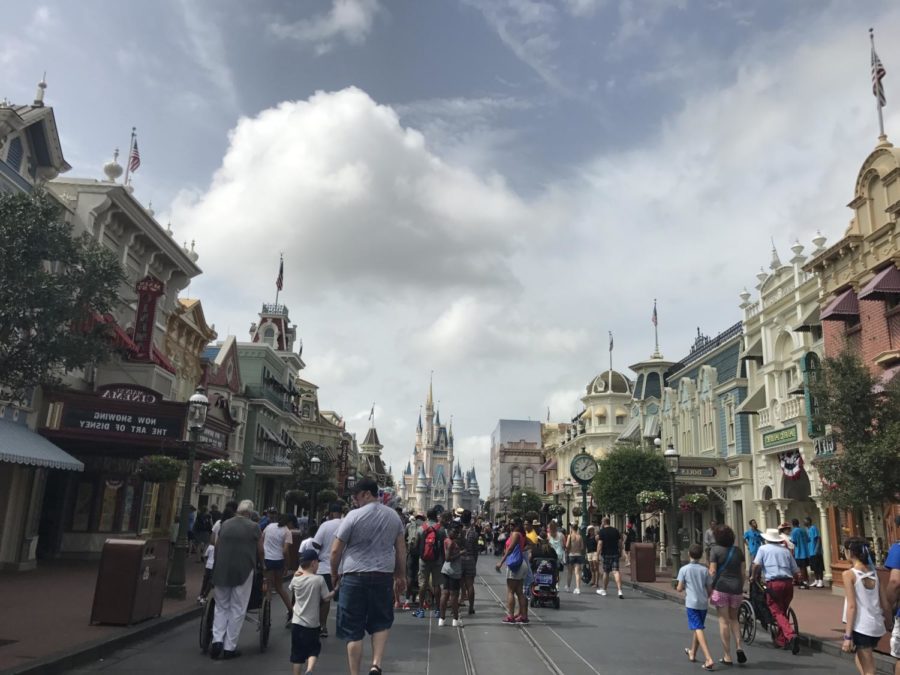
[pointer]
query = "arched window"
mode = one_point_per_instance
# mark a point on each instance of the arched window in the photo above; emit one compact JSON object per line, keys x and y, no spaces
{"x":269,"y":336}
{"x":529,"y":477}
{"x":515,"y":477}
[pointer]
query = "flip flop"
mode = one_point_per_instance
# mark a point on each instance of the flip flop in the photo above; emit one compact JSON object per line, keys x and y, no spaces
{"x":706,"y":667}
{"x":726,"y":663}
{"x":741,"y":656}
{"x":688,"y":654}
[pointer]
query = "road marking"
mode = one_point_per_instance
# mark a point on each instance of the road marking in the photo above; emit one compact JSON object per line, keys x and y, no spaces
{"x":468,"y":663}
{"x":544,"y":656}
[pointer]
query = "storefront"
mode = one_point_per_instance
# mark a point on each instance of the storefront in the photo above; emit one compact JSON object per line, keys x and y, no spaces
{"x":109,"y":431}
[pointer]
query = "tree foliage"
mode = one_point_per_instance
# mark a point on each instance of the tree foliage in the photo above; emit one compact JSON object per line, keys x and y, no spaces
{"x":624,"y":472}
{"x":523,"y":500}
{"x":865,"y":422}
{"x":51,"y":285}
{"x":301,"y":469}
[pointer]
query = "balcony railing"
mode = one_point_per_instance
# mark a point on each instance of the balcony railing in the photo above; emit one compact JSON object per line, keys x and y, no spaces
{"x":765,"y":418}
{"x":271,"y":308}
{"x":274,"y":397}
{"x":792,"y":408}
{"x":269,"y":453}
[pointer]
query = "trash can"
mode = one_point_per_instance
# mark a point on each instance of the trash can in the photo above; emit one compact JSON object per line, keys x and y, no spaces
{"x":643,"y":562}
{"x":131,"y":581}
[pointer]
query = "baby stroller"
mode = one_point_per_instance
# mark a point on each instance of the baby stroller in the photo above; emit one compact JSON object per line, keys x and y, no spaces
{"x":545,"y":590}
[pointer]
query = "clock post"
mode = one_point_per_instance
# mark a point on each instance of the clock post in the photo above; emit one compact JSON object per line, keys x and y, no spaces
{"x":583,"y":469}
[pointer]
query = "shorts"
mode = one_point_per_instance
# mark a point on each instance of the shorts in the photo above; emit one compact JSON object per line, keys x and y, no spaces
{"x":305,"y":642}
{"x":274,"y":564}
{"x":861,"y":641}
{"x":720,"y":599}
{"x":366,"y":605}
{"x":430,"y":574}
{"x":611,"y":563}
{"x":817,"y":563}
{"x":895,"y":638}
{"x":576,"y":560}
{"x":328,"y":582}
{"x":517,"y":575}
{"x":592,"y":557}
{"x":469,"y":566}
{"x":451,"y":584}
{"x":696,"y":618}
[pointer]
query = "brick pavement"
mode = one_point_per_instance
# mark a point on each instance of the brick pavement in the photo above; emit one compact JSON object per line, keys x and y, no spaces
{"x":47,"y":611}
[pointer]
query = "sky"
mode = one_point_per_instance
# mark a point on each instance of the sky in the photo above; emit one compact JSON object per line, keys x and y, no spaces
{"x":482,"y":189}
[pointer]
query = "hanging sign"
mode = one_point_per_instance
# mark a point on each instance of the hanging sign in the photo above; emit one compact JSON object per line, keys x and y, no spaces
{"x":780,"y":437}
{"x":148,"y":289}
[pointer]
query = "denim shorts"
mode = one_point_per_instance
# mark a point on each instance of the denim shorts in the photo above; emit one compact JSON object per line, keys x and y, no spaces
{"x":366,"y":605}
{"x":274,"y":564}
{"x":696,"y":618}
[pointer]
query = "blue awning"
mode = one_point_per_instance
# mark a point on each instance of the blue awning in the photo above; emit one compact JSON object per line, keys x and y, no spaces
{"x":20,"y":445}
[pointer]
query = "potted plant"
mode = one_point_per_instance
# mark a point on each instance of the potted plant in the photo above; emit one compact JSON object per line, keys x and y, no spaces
{"x":159,"y":468}
{"x":652,"y":501}
{"x":696,"y":501}
{"x":221,"y":472}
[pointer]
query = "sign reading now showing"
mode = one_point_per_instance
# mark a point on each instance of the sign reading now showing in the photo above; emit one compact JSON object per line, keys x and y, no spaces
{"x":780,"y":437}
{"x":121,"y":423}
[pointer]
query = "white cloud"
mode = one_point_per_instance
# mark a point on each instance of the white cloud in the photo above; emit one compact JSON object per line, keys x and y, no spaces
{"x":350,"y":20}
{"x":564,"y":403}
{"x":206,"y":46}
{"x":335,"y":369}
{"x":583,"y":8}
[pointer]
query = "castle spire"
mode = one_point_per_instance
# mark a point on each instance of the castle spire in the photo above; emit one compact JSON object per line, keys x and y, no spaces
{"x":430,"y":401}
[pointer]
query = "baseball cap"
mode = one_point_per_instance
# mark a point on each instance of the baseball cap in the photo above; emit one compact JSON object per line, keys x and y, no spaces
{"x":536,"y":523}
{"x":309,"y":555}
{"x":335,"y":507}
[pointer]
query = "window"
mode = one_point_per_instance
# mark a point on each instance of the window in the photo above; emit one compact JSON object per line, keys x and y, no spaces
{"x":729,"y":413}
{"x":269,"y":336}
{"x":811,"y":370}
{"x":15,"y":153}
{"x":529,"y":477}
{"x":515,"y":477}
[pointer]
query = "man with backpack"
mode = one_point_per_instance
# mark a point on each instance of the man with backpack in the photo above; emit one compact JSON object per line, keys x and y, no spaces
{"x":430,"y":545}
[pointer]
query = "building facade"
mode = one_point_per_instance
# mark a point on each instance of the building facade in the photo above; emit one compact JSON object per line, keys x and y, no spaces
{"x":516,"y":459}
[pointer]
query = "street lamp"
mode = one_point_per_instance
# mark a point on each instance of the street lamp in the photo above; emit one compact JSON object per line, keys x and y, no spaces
{"x":672,"y":458}
{"x":315,"y":468}
{"x":568,"y":487}
{"x":198,"y":405}
{"x":351,"y":481}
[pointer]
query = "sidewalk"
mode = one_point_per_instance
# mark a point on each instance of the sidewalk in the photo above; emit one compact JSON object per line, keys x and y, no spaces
{"x":46,"y":613}
{"x":818,"y":614}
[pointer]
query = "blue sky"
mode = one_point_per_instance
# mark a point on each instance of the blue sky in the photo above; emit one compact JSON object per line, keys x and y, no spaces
{"x":482,"y":188}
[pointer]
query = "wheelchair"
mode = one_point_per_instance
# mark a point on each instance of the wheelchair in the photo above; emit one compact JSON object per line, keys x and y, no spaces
{"x":259,"y":612}
{"x":754,"y":609}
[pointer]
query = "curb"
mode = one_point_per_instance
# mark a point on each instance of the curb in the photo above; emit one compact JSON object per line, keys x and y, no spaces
{"x":883,"y":663}
{"x":88,"y":652}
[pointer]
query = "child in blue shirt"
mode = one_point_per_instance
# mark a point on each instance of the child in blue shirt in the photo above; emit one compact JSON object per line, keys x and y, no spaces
{"x":693,"y":580}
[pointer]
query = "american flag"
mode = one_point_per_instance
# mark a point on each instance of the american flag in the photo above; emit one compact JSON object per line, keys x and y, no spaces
{"x":654,"y":313}
{"x":279,"y":282}
{"x":610,"y":341}
{"x":134,"y":160}
{"x":878,"y":73}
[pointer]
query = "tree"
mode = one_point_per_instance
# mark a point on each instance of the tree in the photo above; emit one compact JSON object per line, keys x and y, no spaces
{"x":865,"y":422}
{"x":523,"y":500}
{"x":52,"y":285}
{"x":624,"y":472}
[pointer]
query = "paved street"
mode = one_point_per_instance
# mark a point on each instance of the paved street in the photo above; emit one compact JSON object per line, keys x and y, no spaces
{"x":589,"y":635}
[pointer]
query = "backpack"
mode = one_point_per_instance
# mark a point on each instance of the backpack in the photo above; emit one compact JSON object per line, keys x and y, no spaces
{"x":429,"y":543}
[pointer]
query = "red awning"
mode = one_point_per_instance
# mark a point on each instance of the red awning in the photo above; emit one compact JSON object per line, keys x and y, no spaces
{"x":549,"y":465}
{"x":884,"y":285}
{"x":162,"y":360}
{"x":844,"y":307}
{"x":117,"y":335}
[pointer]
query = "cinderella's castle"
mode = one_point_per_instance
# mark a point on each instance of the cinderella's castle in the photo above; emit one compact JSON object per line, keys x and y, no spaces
{"x":432,"y":477}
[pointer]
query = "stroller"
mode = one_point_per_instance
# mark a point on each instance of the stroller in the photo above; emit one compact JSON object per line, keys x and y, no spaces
{"x":545,"y":568}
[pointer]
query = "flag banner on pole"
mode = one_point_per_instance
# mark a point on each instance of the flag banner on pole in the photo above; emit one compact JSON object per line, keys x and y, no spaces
{"x":878,"y":73}
{"x":372,"y":413}
{"x":610,"y":341}
{"x":134,"y":160}
{"x":654,"y":314}
{"x":279,"y":282}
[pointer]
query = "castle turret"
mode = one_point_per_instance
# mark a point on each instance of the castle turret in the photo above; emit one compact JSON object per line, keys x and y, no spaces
{"x":457,"y":489}
{"x":421,"y":489}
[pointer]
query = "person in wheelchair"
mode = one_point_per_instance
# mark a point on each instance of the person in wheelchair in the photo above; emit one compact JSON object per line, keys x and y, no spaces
{"x":775,"y":564}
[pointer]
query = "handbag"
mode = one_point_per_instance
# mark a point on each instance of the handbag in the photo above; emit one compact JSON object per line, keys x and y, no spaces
{"x":452,"y":569}
{"x":514,"y":559}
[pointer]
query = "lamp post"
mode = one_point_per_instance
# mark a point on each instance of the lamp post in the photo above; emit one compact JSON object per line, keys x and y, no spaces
{"x":198,"y":405}
{"x":315,"y":468}
{"x":672,"y":458}
{"x":351,"y":481}
{"x":569,"y":486}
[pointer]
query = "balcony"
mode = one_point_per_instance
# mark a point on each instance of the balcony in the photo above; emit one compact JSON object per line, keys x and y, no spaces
{"x":269,"y":453}
{"x":282,"y":401}
{"x":765,"y":418}
{"x":792,"y":408}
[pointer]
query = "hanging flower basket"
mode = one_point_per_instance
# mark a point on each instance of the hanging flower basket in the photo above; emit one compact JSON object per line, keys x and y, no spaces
{"x":556,"y":510}
{"x":297,"y":497}
{"x":159,"y":468}
{"x":791,"y":464}
{"x":652,"y":501}
{"x":696,"y":501}
{"x":576,"y":511}
{"x":221,"y":472}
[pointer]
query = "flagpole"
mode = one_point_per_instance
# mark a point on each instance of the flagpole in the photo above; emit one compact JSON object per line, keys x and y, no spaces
{"x":878,"y":106}
{"x":655,"y":330}
{"x":610,"y":360}
{"x":278,"y":285}
{"x":130,"y":150}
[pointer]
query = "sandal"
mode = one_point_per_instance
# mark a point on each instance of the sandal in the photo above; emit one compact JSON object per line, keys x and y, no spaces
{"x":705,"y":666}
{"x":375,"y":670}
{"x":688,"y":653}
{"x":726,"y":663}
{"x":741,"y":656}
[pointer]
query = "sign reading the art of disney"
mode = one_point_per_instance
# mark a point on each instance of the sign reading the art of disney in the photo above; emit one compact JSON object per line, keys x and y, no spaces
{"x":124,"y":411}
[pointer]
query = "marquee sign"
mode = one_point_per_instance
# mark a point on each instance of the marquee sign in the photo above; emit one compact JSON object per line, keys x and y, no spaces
{"x":780,"y":437}
{"x":130,"y":393}
{"x":101,"y":421}
{"x":148,"y":289}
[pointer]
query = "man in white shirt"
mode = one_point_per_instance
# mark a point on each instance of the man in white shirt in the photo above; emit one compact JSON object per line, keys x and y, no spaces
{"x":322,"y":543}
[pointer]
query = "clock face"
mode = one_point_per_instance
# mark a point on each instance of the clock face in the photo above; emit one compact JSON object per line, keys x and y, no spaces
{"x":584,"y":468}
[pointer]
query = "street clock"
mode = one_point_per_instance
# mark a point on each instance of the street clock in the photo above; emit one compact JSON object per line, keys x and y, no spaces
{"x":583,"y":468}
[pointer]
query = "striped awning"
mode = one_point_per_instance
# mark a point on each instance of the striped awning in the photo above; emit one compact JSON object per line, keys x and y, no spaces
{"x":884,"y":285}
{"x":651,"y":426}
{"x":632,"y":431}
{"x":549,"y":465}
{"x":20,"y":445}
{"x":844,"y":307}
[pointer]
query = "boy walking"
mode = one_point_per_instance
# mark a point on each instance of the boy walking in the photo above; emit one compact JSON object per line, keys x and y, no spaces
{"x":692,"y":581}
{"x":310,"y":590}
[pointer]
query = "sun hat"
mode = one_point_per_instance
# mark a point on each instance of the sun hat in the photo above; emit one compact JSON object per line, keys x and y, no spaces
{"x":785,"y":526}
{"x":773,"y":535}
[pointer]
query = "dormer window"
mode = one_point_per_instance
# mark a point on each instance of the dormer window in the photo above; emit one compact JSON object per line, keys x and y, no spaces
{"x":15,"y":153}
{"x":269,"y":336}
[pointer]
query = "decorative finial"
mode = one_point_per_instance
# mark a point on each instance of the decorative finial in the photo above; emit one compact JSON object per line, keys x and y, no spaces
{"x":41,"y":87}
{"x":193,"y":255}
{"x":745,"y":298}
{"x":150,"y":208}
{"x":169,"y":229}
{"x":113,"y":169}
{"x":776,"y":261}
{"x":819,"y":242}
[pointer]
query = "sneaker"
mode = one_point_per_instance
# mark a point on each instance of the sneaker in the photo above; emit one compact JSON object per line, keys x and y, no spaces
{"x":419,"y":613}
{"x":437,"y":614}
{"x":577,"y":591}
{"x":471,"y":610}
{"x":600,"y":591}
{"x":201,"y":600}
{"x":567,"y":589}
{"x":506,"y":619}
{"x":231,"y":654}
{"x":215,"y":650}
{"x":820,"y":584}
{"x":522,"y":619}
{"x":323,"y":633}
{"x":406,"y":606}
{"x":457,"y":623}
{"x":795,"y":646}
{"x":440,"y":623}
{"x":621,"y":595}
